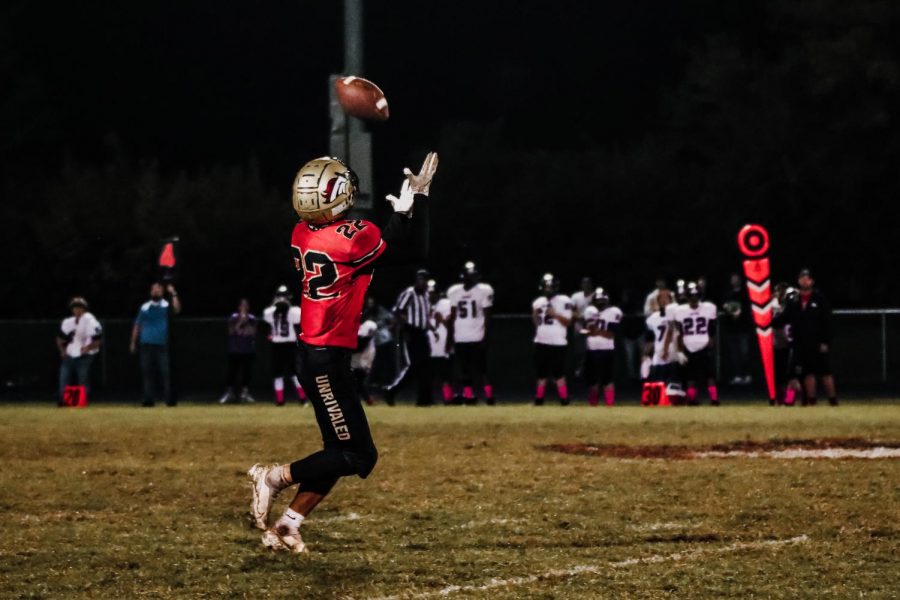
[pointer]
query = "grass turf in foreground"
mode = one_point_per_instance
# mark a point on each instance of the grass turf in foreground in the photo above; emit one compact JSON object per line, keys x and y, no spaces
{"x":123,"y":502}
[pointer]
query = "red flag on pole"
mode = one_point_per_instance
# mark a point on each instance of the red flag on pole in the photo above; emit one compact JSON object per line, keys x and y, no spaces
{"x":753,"y":241}
{"x":168,"y":259}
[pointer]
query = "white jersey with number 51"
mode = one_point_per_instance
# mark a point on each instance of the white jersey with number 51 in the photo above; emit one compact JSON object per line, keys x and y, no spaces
{"x":469,"y":305}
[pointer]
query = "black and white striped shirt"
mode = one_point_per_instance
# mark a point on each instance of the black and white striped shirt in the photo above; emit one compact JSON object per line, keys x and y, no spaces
{"x":414,"y":307}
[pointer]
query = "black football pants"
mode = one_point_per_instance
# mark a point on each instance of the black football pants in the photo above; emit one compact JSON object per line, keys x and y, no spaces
{"x":325,"y":374}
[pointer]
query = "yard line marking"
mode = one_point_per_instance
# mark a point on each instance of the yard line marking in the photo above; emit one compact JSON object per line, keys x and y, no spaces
{"x":472,"y":524}
{"x":800,"y":453}
{"x":598,"y":569}
{"x":662,"y":526}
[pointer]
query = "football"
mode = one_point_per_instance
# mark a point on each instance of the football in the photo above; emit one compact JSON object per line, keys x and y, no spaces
{"x":361,"y":98}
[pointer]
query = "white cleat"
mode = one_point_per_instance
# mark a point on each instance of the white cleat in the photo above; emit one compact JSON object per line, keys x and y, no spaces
{"x":263,"y":494}
{"x":280,"y":538}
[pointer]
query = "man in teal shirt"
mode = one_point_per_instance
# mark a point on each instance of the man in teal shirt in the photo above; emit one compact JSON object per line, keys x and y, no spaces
{"x":150,"y":335}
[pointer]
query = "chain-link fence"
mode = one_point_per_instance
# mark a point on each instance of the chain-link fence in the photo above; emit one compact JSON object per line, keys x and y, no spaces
{"x":865,"y":357}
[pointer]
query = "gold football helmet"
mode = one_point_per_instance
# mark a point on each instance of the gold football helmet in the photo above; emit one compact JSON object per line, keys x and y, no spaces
{"x":324,"y":189}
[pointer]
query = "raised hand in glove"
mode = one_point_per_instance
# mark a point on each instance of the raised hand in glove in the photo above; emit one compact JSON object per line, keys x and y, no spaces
{"x":415,"y":183}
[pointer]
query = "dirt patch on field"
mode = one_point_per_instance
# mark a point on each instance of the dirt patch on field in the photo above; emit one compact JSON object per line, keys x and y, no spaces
{"x":775,"y":448}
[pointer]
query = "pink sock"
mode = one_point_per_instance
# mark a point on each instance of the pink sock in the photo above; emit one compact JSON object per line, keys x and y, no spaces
{"x":692,"y":394}
{"x":447,"y":391}
{"x":789,"y":396}
{"x":593,"y":397}
{"x":301,"y":394}
{"x":713,"y":393}
{"x":468,"y":393}
{"x":563,"y":391}
{"x":609,"y":394}
{"x":539,"y":393}
{"x":279,"y":396}
{"x":488,"y":391}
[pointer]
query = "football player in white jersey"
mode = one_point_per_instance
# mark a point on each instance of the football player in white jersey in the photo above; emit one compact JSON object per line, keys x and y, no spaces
{"x":470,"y":316}
{"x":79,"y":339}
{"x":438,"y":336}
{"x":663,"y":346}
{"x":363,"y":357}
{"x":284,"y":325}
{"x":600,"y":324}
{"x":696,"y":321}
{"x":552,"y":314}
{"x":580,"y":301}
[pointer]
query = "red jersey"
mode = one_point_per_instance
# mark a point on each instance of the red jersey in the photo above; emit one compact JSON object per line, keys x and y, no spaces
{"x":335,"y":264}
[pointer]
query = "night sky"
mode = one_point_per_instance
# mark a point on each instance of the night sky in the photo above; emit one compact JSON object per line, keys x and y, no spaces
{"x":197,"y":85}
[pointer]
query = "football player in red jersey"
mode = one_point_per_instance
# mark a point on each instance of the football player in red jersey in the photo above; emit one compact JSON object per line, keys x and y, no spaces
{"x":335,"y":258}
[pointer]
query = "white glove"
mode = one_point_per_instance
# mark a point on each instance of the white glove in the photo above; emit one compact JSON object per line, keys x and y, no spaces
{"x":681,"y":357}
{"x":404,"y":203}
{"x":414,"y":184}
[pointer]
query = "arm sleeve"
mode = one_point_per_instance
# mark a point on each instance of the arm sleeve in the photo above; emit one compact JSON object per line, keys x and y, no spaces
{"x":407,"y":237}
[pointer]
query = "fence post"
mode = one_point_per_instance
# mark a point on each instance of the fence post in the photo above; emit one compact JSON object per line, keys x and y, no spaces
{"x":884,"y":373}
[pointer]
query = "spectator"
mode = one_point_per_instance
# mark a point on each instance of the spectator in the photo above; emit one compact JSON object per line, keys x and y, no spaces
{"x":413,"y":311}
{"x":632,"y":333}
{"x":809,"y":316}
{"x":78,"y":340}
{"x":651,"y":303}
{"x":241,"y":352}
{"x":150,"y":336}
{"x":703,"y":288}
{"x":737,"y":329}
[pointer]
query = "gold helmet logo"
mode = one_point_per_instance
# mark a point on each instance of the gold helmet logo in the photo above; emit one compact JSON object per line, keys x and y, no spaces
{"x":324,"y":189}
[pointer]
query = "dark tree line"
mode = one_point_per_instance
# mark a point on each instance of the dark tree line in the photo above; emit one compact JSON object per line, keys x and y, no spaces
{"x":785,"y":115}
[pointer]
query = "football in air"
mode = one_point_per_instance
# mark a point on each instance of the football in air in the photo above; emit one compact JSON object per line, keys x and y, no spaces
{"x":361,"y":98}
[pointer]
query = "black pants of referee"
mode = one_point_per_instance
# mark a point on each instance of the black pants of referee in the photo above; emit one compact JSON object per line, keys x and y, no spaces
{"x":348,"y":448}
{"x":418,"y":353}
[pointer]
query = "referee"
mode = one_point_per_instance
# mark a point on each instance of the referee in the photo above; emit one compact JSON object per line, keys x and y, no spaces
{"x":413,"y":310}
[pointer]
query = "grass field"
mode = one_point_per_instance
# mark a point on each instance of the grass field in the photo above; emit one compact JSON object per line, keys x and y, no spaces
{"x":121,"y":502}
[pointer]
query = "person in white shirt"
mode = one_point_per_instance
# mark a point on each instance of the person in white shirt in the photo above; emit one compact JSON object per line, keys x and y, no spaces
{"x":284,"y":326}
{"x":580,"y":301}
{"x":79,"y":339}
{"x":552,"y":314}
{"x":362,"y":359}
{"x":601,"y":321}
{"x":470,"y":315}
{"x":651,"y":302}
{"x":438,"y":336}
{"x":695,"y":322}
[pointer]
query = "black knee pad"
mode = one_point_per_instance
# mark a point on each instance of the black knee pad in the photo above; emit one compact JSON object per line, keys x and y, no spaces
{"x":361,"y":460}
